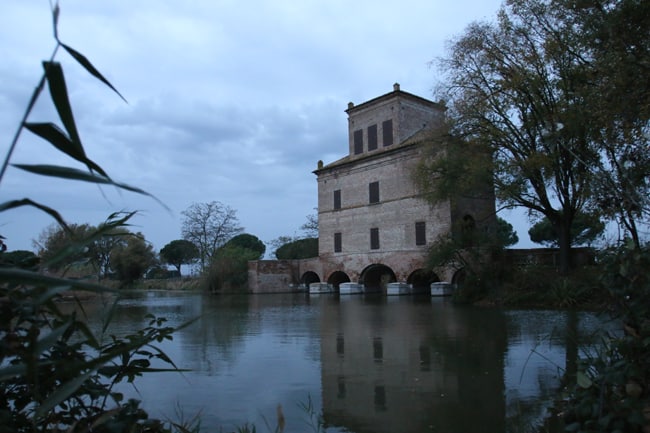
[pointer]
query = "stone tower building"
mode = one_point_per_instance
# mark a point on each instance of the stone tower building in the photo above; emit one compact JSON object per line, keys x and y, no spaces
{"x":374,"y":226}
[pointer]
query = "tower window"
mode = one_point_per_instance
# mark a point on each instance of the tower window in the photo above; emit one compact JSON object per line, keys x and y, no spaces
{"x":374,"y":238}
{"x":373,"y":192}
{"x":387,"y":127}
{"x":372,"y":137}
{"x":358,"y":141}
{"x":337,"y":242}
{"x":337,"y":199}
{"x":420,"y":233}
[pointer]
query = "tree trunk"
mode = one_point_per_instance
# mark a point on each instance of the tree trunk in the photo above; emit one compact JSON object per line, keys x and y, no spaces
{"x":564,"y":243}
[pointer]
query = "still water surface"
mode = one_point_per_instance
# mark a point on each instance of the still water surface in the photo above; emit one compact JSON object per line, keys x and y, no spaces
{"x":366,"y":363}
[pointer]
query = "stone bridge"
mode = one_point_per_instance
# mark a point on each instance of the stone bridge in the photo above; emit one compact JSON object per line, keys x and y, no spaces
{"x":373,"y":270}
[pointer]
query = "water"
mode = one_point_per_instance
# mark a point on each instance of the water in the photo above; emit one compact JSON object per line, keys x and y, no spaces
{"x":365,"y":363}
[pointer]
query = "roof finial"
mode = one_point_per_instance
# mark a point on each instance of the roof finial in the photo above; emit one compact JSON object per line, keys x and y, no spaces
{"x":396,"y":87}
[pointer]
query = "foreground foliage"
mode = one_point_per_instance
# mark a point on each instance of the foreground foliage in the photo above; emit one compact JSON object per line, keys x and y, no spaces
{"x":56,"y":375}
{"x":612,"y":390}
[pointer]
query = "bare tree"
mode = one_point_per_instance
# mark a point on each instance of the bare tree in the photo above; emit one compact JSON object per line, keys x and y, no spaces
{"x":310,"y":228}
{"x":209,"y":226}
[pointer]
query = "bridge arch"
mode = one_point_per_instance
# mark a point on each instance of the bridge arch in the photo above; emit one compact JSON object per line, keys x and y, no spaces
{"x":338,"y":277}
{"x":422,"y":278}
{"x":377,"y":277}
{"x":308,"y":278}
{"x":459,"y":277}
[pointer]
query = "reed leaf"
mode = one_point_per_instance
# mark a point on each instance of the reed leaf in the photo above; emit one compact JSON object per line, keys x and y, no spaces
{"x":76,"y":174}
{"x":50,"y":339}
{"x":59,"y":94}
{"x":12,"y":204}
{"x":83,"y":61}
{"x":52,"y":133}
{"x":62,"y":393}
{"x":11,"y":371}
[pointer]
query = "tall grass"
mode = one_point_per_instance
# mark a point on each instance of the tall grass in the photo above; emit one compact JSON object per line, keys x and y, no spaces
{"x":55,"y":374}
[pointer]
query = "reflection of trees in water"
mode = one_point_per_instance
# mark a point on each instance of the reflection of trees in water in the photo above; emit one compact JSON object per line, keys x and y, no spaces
{"x":554,"y":341}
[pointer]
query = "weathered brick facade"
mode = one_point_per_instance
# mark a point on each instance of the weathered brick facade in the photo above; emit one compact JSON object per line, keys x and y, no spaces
{"x":374,"y":226}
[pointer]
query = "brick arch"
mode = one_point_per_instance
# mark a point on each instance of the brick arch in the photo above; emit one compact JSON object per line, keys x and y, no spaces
{"x":308,"y":278}
{"x":338,"y":277}
{"x":422,"y":278}
{"x":377,"y":276}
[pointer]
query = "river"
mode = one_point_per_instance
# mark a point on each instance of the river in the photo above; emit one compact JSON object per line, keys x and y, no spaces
{"x":362,"y":363}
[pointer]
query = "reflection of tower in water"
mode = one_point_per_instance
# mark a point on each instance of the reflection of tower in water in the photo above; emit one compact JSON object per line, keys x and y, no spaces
{"x":400,"y":364}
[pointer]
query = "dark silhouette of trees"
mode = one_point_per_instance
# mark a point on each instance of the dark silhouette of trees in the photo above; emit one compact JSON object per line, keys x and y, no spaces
{"x":179,"y":252}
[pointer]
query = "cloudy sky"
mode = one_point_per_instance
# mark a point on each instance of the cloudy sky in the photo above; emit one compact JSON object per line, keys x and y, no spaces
{"x":231,"y":101}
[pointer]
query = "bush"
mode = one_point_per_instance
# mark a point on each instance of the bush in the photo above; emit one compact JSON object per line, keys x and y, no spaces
{"x":612,"y":388}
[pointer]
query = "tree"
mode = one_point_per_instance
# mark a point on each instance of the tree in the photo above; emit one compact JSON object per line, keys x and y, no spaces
{"x":614,"y":40}
{"x":512,"y":93}
{"x":131,"y":260}
{"x":179,"y":252}
{"x":209,"y":226}
{"x":310,"y":228}
{"x":229,"y":267}
{"x":506,"y":234}
{"x":20,"y":259}
{"x":249,"y":242}
{"x":586,"y":229}
{"x":310,"y":231}
{"x":59,"y":246}
{"x":298,"y":249}
{"x":106,"y":240}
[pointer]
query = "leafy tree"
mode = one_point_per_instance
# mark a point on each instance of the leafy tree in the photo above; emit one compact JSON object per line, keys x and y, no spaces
{"x":104,"y":242}
{"x":586,"y":229}
{"x":613,"y":39}
{"x":506,"y":234}
{"x":131,"y":260}
{"x":310,"y":231}
{"x":20,"y":259}
{"x":60,"y":246}
{"x":179,"y":252}
{"x":511,"y":88}
{"x":209,"y":226}
{"x":298,"y":249}
{"x":229,"y":268}
{"x":278,"y":242}
{"x":249,"y":242}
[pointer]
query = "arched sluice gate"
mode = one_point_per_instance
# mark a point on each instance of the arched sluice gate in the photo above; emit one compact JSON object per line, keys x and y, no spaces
{"x":338,"y":277}
{"x":421,"y":279}
{"x":308,"y":278}
{"x":377,"y":277}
